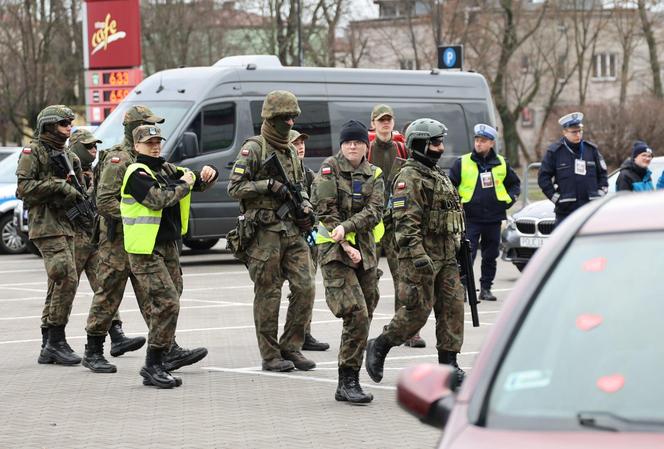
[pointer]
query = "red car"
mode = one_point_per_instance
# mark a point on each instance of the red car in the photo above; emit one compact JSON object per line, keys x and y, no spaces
{"x":576,"y":357}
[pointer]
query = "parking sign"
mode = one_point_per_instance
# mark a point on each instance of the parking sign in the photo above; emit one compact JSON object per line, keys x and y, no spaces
{"x":450,"y":56}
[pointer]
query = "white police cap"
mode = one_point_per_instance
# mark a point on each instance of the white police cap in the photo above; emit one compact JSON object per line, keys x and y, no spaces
{"x":573,"y":119}
{"x":483,"y":130}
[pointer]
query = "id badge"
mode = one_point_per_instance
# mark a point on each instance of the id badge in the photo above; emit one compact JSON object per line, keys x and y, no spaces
{"x":580,"y":167}
{"x":486,"y":179}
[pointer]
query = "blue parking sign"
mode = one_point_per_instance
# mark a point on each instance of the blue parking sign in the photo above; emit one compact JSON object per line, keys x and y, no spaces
{"x":450,"y":56}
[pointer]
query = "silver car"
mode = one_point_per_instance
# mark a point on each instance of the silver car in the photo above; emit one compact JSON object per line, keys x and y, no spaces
{"x":529,"y":227}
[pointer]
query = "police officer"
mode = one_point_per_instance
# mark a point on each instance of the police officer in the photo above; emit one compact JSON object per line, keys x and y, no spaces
{"x":114,"y":269}
{"x":349,"y":197}
{"x":634,"y":174}
{"x":298,"y":140}
{"x":45,"y":185}
{"x":573,"y":171}
{"x":428,"y":223}
{"x":278,"y":251}
{"x":155,"y":214}
{"x":488,"y":186}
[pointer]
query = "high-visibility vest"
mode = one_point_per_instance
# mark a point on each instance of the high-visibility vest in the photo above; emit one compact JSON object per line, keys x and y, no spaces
{"x":141,"y":224}
{"x":470,"y":172}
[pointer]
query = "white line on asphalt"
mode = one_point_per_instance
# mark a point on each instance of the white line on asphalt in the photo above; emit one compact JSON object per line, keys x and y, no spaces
{"x":35,"y":270}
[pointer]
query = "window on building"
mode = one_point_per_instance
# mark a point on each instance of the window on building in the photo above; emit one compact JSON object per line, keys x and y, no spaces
{"x":406,"y":64}
{"x":525,"y":63}
{"x":561,"y":67}
{"x":387,"y":9}
{"x":604,"y":66}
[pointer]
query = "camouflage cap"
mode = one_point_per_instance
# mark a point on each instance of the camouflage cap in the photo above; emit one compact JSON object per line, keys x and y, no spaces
{"x":381,"y":110}
{"x":144,"y":133}
{"x":141,"y":114}
{"x":293,"y":135}
{"x":83,"y":136}
{"x":280,"y":102}
{"x":53,"y":114}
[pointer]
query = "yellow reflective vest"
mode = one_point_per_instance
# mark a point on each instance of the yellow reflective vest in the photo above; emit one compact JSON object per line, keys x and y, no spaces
{"x":141,"y":224}
{"x":470,"y":172}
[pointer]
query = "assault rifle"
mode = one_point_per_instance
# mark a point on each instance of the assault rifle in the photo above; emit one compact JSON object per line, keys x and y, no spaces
{"x":275,"y":170}
{"x":85,"y":209}
{"x":466,"y":263}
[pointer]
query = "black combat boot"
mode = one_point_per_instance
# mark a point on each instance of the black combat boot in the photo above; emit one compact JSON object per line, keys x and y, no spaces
{"x":486,"y":295}
{"x":44,"y":332}
{"x":300,"y":361}
{"x":120,"y":343}
{"x":311,"y":344}
{"x":277,"y":364}
{"x":94,"y":359}
{"x":450,"y":358}
{"x":377,"y":349}
{"x":349,"y":389}
{"x":178,"y":357}
{"x":57,"y":350}
{"x":154,"y":373}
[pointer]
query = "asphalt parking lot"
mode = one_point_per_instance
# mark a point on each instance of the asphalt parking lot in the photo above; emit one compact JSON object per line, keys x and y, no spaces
{"x":226,"y":400}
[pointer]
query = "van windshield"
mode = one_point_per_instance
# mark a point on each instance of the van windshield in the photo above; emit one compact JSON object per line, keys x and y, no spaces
{"x":111,"y":131}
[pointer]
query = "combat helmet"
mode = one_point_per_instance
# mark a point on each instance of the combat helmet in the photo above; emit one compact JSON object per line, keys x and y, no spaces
{"x":424,"y":129}
{"x":53,"y":114}
{"x":279,"y":102}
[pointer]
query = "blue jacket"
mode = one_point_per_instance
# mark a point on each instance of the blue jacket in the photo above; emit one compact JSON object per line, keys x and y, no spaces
{"x":634,"y":178}
{"x":484,"y":207}
{"x":559,"y":182}
{"x":660,"y":181}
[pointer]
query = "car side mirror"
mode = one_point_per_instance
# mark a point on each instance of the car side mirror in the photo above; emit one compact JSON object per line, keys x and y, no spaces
{"x":425,"y":391}
{"x":188,"y":146}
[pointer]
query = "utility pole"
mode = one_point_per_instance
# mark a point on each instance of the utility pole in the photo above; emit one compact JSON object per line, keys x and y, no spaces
{"x":300,"y":51}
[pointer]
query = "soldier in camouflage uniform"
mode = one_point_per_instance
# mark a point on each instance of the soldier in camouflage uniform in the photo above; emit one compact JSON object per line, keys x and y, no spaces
{"x":349,"y":197}
{"x":428,"y":223}
{"x":155,"y":213}
{"x":44,"y":185}
{"x":298,"y":139}
{"x":278,"y":251}
{"x":114,"y":269}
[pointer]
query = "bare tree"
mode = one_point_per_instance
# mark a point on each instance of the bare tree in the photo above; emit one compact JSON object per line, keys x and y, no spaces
{"x":626,"y":23}
{"x":649,"y":34}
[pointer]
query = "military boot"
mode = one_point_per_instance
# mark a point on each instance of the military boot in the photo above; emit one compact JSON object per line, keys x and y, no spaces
{"x":178,"y":357}
{"x":349,"y":389}
{"x":154,"y":373}
{"x":311,"y":344}
{"x":450,"y":358}
{"x":277,"y":364}
{"x":486,"y":295}
{"x":120,"y":343}
{"x":377,"y":349}
{"x":57,"y":350}
{"x":94,"y":359}
{"x":44,"y":332}
{"x":301,"y":362}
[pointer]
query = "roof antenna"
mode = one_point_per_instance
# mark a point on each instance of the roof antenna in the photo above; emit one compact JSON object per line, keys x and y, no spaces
{"x":161,"y":85}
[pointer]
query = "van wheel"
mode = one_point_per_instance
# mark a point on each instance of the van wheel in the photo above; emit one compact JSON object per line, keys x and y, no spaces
{"x":200,"y":244}
{"x":11,"y":241}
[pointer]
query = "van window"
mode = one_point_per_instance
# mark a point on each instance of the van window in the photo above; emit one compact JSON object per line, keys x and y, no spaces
{"x":215,"y":127}
{"x":314,"y":121}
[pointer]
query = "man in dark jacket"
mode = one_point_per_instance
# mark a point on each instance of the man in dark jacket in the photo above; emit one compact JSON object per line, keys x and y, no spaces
{"x":634,"y":173}
{"x":573,"y":171}
{"x":488,"y":187}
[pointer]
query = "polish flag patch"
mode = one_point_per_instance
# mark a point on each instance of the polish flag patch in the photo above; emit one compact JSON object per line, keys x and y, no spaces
{"x":115,"y":159}
{"x":326,"y":170}
{"x":401,"y":185}
{"x":245,"y":152}
{"x":27,"y":150}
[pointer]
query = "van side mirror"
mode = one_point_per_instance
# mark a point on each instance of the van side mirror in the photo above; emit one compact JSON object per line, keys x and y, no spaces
{"x":188,"y":146}
{"x":425,"y":391}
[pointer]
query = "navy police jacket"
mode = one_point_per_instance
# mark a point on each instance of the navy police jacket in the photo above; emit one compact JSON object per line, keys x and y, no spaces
{"x":563,"y":184}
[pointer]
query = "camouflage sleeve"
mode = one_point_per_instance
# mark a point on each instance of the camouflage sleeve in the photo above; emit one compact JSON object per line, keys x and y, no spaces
{"x":324,"y":197}
{"x":108,"y":188}
{"x":147,"y":191}
{"x":31,"y":187}
{"x":241,"y":184}
{"x":408,"y":204}
{"x":370,"y":216}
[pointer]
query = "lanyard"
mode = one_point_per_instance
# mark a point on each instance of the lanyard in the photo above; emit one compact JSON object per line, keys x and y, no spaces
{"x":581,"y":148}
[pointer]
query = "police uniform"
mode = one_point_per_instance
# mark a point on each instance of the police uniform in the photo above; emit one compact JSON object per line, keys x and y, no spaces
{"x":44,"y":183}
{"x":488,"y":187}
{"x":353,"y":198}
{"x":278,"y":250}
{"x":571,"y":175}
{"x":154,"y":207}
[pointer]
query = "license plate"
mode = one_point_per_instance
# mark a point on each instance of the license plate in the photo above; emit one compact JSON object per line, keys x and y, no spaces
{"x":532,"y":242}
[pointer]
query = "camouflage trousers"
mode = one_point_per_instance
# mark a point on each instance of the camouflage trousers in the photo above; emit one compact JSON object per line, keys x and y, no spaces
{"x":313,"y":250}
{"x":160,"y":276}
{"x":58,"y":254}
{"x":112,"y":273}
{"x":390,"y":250}
{"x":420,"y":292}
{"x":87,"y":259}
{"x":274,"y":258}
{"x":352,"y":295}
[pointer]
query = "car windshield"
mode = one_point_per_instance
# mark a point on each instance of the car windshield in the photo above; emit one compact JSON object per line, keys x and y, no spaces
{"x":111,"y":131}
{"x":8,"y":168}
{"x":590,"y":344}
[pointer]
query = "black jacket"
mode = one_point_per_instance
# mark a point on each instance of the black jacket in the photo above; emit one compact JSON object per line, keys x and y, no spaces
{"x":485,"y":207}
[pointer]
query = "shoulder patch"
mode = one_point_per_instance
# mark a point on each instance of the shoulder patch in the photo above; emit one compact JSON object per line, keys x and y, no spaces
{"x":239,"y":169}
{"x":115,"y":159}
{"x":27,"y":150}
{"x":401,"y":185}
{"x":245,"y":152}
{"x":326,"y":170}
{"x":399,"y":202}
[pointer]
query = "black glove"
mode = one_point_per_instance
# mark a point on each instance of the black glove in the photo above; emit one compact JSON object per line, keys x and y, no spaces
{"x":305,"y":222}
{"x":72,"y":196}
{"x":278,"y":189}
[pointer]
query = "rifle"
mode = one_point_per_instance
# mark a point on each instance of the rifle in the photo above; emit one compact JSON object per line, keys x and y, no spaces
{"x":85,"y":209}
{"x":275,"y":170}
{"x":466,"y":262}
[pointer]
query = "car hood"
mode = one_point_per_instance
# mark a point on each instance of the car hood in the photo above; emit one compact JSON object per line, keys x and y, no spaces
{"x":7,"y":191}
{"x":538,"y":210}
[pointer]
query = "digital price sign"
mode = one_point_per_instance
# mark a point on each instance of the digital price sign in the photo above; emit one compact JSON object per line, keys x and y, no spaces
{"x":107,"y":88}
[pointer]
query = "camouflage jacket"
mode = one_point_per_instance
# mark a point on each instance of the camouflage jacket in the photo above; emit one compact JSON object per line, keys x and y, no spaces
{"x":43,"y":187}
{"x":352,"y":198}
{"x":249,"y":184}
{"x":426,"y":211}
